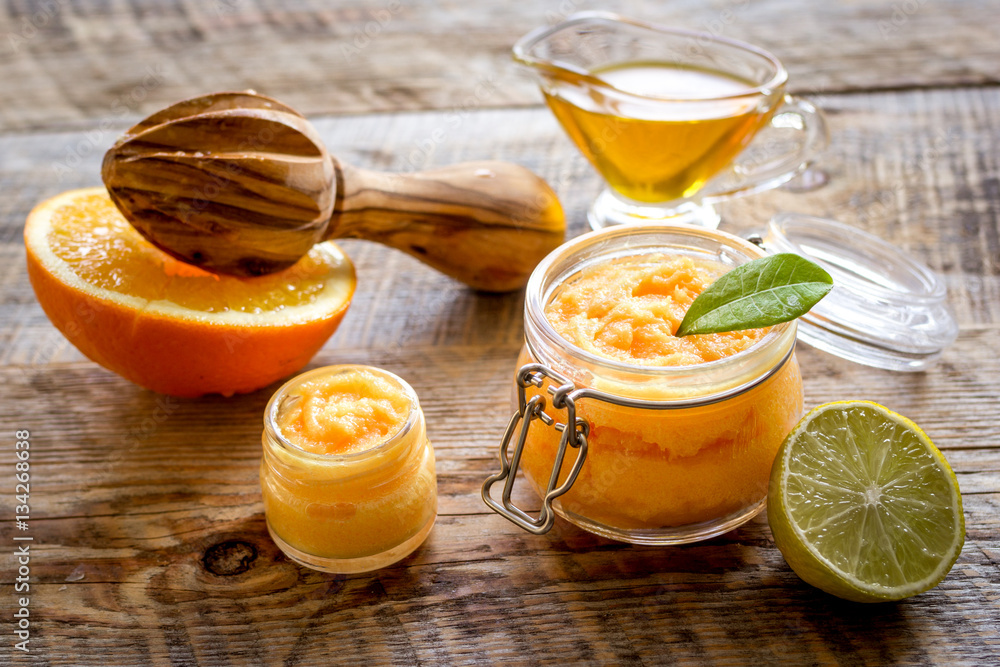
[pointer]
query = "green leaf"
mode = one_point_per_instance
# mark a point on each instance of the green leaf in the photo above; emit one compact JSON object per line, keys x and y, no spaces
{"x":765,"y":291}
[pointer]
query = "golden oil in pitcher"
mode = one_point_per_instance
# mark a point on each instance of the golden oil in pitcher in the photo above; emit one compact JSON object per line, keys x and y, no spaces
{"x":658,"y":152}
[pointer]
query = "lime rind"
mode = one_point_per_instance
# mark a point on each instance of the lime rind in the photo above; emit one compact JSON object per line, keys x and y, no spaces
{"x":863,"y":505}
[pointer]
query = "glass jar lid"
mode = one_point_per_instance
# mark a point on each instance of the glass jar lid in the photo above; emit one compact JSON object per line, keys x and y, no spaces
{"x":886,"y":309}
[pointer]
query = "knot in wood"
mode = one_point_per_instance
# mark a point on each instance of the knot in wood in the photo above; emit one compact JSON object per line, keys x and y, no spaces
{"x":229,"y":558}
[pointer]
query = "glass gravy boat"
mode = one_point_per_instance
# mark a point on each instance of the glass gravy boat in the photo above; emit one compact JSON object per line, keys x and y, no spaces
{"x":672,"y":120}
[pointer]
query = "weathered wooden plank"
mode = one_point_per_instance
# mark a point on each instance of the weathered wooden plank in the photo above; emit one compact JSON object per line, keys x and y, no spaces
{"x":474,"y":593}
{"x":88,"y":63}
{"x":139,"y":499}
{"x":898,"y":170}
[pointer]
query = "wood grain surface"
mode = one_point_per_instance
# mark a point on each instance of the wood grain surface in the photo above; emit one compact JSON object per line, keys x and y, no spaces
{"x":73,"y":63}
{"x":149,"y":544}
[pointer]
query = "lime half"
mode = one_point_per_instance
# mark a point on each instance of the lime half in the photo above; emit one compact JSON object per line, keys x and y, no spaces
{"x":862,"y":504}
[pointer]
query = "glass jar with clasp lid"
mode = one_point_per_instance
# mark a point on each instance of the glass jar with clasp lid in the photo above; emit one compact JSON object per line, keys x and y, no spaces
{"x":671,"y":453}
{"x":644,"y":453}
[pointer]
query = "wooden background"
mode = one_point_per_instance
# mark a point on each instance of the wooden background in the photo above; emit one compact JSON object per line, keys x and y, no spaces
{"x":149,"y":540}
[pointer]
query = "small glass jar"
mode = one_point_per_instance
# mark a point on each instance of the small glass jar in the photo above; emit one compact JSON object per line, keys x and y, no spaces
{"x":657,"y":455}
{"x":353,"y":512}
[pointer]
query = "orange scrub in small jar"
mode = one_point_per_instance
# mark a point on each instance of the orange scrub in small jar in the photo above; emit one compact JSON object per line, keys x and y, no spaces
{"x":347,"y":474}
{"x":680,"y":473}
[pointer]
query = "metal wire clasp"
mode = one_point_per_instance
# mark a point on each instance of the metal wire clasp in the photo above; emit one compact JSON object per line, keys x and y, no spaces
{"x":563,"y":393}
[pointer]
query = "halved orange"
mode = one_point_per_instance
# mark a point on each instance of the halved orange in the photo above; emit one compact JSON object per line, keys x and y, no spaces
{"x":169,"y":326}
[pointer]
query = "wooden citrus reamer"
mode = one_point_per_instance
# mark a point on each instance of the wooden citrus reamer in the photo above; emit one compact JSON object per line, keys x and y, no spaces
{"x":242,"y":184}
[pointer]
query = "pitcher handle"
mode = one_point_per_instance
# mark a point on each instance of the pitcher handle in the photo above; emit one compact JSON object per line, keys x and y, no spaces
{"x":754,"y":174}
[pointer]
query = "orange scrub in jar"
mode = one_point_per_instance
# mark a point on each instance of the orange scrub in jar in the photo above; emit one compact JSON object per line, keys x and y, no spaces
{"x":605,"y":320}
{"x":348,"y":474}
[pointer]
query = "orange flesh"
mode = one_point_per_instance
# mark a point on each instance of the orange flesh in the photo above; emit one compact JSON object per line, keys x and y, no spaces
{"x":103,"y":249}
{"x":169,"y":326}
{"x":345,"y":413}
{"x":649,"y":469}
{"x":354,"y":509}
